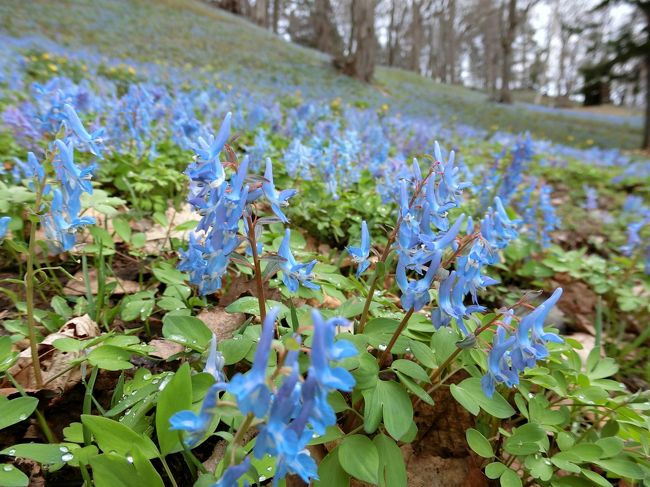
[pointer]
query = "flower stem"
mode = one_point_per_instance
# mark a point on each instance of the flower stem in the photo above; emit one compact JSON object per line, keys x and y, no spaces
{"x":386,"y":355}
{"x":29,"y":291}
{"x":258,"y":269}
{"x":240,"y":435}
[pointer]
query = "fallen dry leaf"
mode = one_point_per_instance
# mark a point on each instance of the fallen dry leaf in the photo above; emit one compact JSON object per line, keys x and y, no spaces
{"x":54,"y":363}
{"x":164,"y":348}
{"x":77,"y":286}
{"x":222,"y":323}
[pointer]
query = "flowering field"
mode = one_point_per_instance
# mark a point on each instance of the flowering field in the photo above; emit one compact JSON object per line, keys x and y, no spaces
{"x":223,"y":264}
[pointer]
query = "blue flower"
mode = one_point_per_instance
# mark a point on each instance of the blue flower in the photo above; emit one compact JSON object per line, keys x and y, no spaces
{"x":498,"y":368}
{"x":4,"y":225}
{"x":293,"y":273}
{"x":326,"y":349}
{"x":215,"y":362}
{"x":233,"y":473}
{"x":251,"y":390}
{"x":360,"y":254}
{"x":92,"y":141}
{"x":70,"y":175}
{"x":196,"y":425}
{"x":275,"y":198}
{"x":415,"y":293}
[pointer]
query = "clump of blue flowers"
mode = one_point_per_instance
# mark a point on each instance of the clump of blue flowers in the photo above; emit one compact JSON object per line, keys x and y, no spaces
{"x":288,"y":411}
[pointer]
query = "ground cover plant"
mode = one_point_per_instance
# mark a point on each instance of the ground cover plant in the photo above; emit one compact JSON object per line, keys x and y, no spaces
{"x":213,"y":278}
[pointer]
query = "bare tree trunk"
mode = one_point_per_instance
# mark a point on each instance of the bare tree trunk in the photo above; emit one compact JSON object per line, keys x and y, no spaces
{"x":325,"y":34}
{"x":277,"y":5}
{"x":360,"y":61}
{"x":416,"y":37}
{"x":451,"y":41}
{"x":507,"y":38}
{"x":391,"y":28}
{"x":260,"y":13}
{"x":646,"y":127}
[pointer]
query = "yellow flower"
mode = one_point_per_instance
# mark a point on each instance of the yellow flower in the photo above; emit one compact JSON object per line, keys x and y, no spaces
{"x":131,"y":70}
{"x":494,"y":127}
{"x":570,"y":138}
{"x":590,"y":142}
{"x":46,"y":55}
{"x":53,"y":67}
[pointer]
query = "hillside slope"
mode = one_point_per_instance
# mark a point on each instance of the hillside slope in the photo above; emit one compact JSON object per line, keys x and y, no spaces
{"x":192,"y":35}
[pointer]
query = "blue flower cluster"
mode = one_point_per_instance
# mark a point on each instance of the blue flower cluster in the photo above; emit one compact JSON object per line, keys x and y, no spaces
{"x":538,"y":213}
{"x":495,"y":231}
{"x":512,"y":354}
{"x":64,"y":217}
{"x":640,"y":223}
{"x":291,"y":411}
{"x":223,"y":205}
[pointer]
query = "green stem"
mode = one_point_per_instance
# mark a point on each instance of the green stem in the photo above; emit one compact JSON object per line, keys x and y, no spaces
{"x":240,"y":435}
{"x":168,"y":471}
{"x":190,"y":457}
{"x":258,"y":269}
{"x":89,"y":292}
{"x":29,"y":292}
{"x":387,"y":353}
{"x":87,"y":404}
{"x":85,"y":475}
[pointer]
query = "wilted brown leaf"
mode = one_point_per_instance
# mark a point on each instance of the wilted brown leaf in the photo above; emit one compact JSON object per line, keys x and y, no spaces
{"x":54,"y":363}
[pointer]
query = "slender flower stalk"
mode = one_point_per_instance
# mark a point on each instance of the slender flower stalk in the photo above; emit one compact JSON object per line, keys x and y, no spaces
{"x":383,"y":361}
{"x":258,"y":269}
{"x":29,"y":291}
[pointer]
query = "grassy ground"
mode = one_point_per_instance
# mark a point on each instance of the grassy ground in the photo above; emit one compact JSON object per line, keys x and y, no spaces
{"x":192,"y":35}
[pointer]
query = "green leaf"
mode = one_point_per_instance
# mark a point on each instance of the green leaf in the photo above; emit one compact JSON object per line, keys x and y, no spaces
{"x":250,"y":305}
{"x":60,"y":306}
{"x":415,"y":389}
{"x":109,"y":357}
{"x":112,"y":469}
{"x":611,"y":446}
{"x":595,"y":478}
{"x":496,"y":406}
{"x":411,"y":369}
{"x":623,"y":468}
{"x":605,"y":367}
{"x":330,"y":471}
{"x":539,"y":467}
{"x":186,"y":330}
{"x":235,"y":349}
{"x":16,"y":410}
{"x":10,"y":476}
{"x":331,"y":433}
{"x":397,"y":408}
{"x":478,"y":443}
{"x":509,"y":478}
{"x":113,"y":436}
{"x":359,"y":457}
{"x":170,"y":303}
{"x":45,"y":453}
{"x":494,"y":470}
{"x":392,"y":470}
{"x":465,"y":399}
{"x":122,"y":228}
{"x":526,"y":439}
{"x":167,"y":274}
{"x":422,"y":353}
{"x":443,"y":343}
{"x":175,"y":397}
